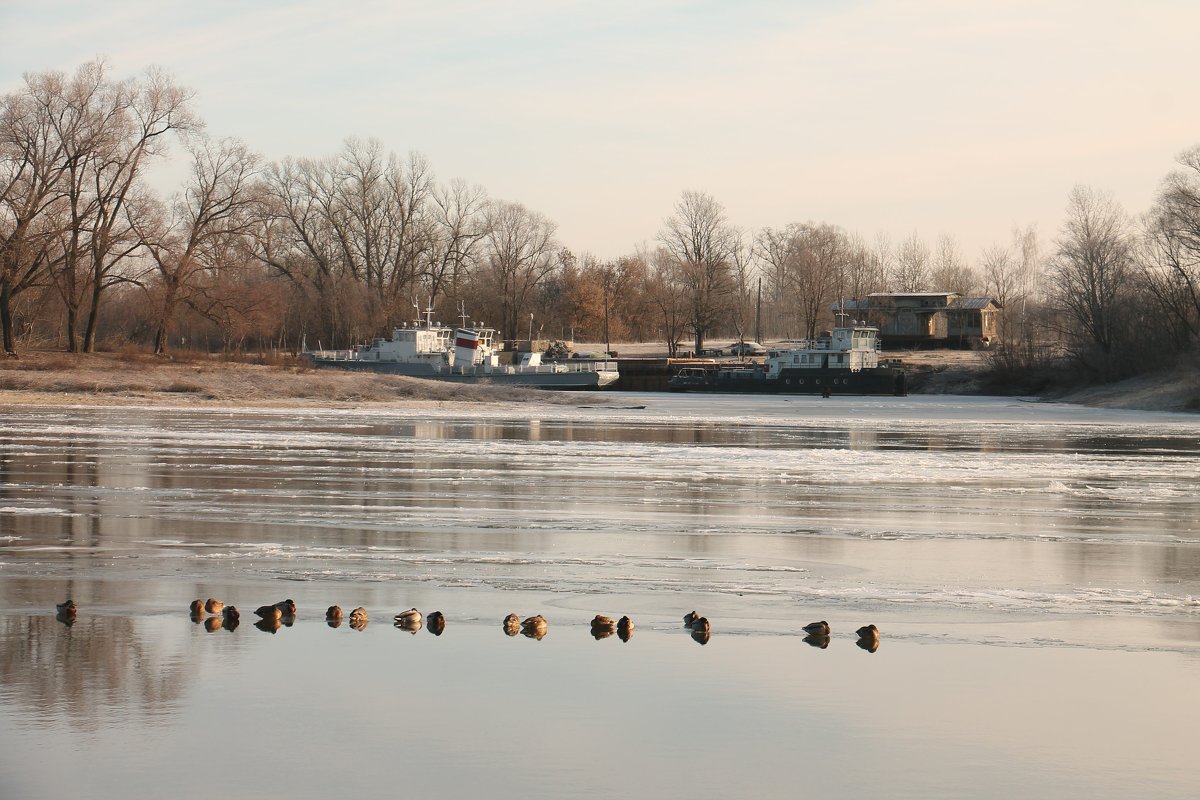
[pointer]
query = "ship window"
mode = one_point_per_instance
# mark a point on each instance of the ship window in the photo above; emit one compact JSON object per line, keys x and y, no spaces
{"x":795,"y":359}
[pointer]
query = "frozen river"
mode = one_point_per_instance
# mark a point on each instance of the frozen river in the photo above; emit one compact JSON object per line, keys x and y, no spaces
{"x":1021,"y":558}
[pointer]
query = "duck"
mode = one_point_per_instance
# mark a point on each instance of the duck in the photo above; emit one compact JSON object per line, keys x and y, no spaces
{"x":512,"y":625}
{"x":213,"y":606}
{"x":534,"y":627}
{"x":67,"y":609}
{"x":701,"y":625}
{"x":624,"y":628}
{"x":230,"y":614}
{"x":196,"y":608}
{"x":412,"y":617}
{"x":358,"y":616}
{"x":268,"y":612}
{"x":868,"y":632}
{"x":689,"y":618}
{"x":437,"y":622}
{"x":287,"y":607}
{"x":333,"y":612}
{"x":817,"y":628}
{"x":601,"y":622}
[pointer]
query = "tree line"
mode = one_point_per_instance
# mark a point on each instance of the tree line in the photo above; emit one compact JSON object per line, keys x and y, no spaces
{"x":334,"y":250}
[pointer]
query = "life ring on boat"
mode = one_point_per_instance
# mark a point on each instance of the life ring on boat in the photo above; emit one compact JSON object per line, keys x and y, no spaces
{"x":788,"y":381}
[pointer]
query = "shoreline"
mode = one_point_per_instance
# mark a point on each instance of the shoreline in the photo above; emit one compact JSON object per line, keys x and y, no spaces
{"x":109,"y":379}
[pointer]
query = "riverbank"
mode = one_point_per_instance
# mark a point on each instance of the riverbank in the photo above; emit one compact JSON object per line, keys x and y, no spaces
{"x":55,"y":378}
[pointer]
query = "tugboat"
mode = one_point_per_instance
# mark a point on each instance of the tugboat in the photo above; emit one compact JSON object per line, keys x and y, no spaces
{"x":463,"y":355}
{"x":842,"y":361}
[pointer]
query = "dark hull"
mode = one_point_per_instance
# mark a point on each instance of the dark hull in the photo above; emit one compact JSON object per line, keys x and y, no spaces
{"x":544,"y":378}
{"x":882,"y":380}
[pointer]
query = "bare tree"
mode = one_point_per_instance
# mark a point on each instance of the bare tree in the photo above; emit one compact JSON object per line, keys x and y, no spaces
{"x":460,"y":228}
{"x":703,"y":243}
{"x":189,"y":244}
{"x":911,"y":268}
{"x":1090,"y":272}
{"x":1171,"y":260}
{"x":521,"y":251}
{"x":39,"y":126}
{"x":950,"y":271}
{"x":665,"y":286}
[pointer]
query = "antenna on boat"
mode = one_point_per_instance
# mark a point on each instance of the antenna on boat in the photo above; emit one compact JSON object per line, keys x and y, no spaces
{"x":462,"y":312}
{"x":841,"y":313}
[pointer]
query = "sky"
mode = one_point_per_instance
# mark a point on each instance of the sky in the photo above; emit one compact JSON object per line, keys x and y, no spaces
{"x":881,"y":116}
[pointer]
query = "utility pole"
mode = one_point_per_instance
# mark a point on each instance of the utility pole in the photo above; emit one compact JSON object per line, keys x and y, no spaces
{"x":758,"y":315}
{"x":607,"y":349}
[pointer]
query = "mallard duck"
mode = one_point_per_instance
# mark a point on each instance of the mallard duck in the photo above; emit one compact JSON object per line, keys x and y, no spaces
{"x":512,"y":624}
{"x":689,"y":618}
{"x":868,"y":632}
{"x":268,"y":612}
{"x":230,"y":614}
{"x":817,"y":628}
{"x":287,"y":607}
{"x":436,"y":622}
{"x":601,"y":622}
{"x":213,"y":606}
{"x":358,"y":615}
{"x":410,"y":617}
{"x":534,"y":627}
{"x":333,"y":612}
{"x":67,"y":609}
{"x":701,"y":624}
{"x":196,"y":608}
{"x":624,"y":628}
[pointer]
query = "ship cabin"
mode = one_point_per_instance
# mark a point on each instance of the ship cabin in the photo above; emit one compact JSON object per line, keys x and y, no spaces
{"x":852,"y":349}
{"x":417,"y":343}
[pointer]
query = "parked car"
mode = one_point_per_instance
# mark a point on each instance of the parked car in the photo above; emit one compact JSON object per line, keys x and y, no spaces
{"x":746,"y":349}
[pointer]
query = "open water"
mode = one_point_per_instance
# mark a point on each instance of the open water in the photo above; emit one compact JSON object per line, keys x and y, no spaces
{"x":1034,"y":568}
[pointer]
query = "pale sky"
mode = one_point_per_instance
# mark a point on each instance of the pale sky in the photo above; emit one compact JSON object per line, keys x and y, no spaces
{"x":889,"y":116}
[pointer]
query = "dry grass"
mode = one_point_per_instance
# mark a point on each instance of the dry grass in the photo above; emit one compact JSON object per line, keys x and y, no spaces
{"x":57,"y":377}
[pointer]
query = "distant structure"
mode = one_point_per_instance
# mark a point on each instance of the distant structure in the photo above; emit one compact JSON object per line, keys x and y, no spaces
{"x":927,"y":319}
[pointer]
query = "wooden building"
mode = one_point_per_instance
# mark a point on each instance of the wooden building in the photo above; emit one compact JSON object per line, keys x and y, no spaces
{"x":927,"y":319}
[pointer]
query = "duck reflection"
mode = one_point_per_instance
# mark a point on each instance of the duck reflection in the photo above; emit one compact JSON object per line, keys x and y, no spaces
{"x":870,"y":645}
{"x":603,"y":627}
{"x":817,"y":640}
{"x":535,"y":627}
{"x":214,"y":624}
{"x":270,"y":625}
{"x":358,"y":618}
{"x":700,"y":636}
